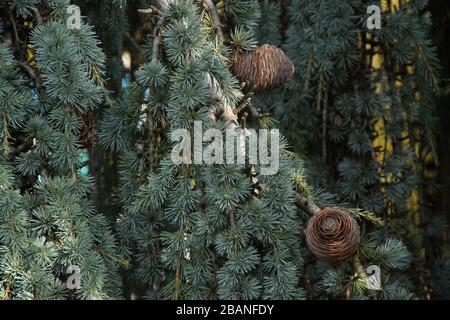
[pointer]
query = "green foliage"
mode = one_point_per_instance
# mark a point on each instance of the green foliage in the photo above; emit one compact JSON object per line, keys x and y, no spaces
{"x":197,"y":232}
{"x":47,"y":221}
{"x":367,"y":130}
{"x":270,"y":24}
{"x":243,"y":13}
{"x":210,"y":231}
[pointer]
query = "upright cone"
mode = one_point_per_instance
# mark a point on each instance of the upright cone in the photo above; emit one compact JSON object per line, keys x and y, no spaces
{"x":265,"y":68}
{"x":332,"y":235}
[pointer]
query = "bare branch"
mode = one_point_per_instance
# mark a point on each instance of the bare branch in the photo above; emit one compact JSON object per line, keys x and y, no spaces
{"x":30,"y":72}
{"x":229,"y":117}
{"x":132,"y":41}
{"x":305,"y":204}
{"x":38,"y":16}
{"x":16,"y":34}
{"x":21,"y":148}
{"x":157,"y":34}
{"x":151,"y":10}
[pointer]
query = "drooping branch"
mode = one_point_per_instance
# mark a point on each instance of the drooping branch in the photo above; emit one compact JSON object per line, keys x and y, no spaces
{"x":16,"y":33}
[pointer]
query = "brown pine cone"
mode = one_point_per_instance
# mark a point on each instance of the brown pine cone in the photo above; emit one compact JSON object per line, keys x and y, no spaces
{"x":265,"y":68}
{"x":332,"y":235}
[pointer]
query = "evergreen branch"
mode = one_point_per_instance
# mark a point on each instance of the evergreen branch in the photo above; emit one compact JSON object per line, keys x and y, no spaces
{"x":124,"y":263}
{"x":370,"y":216}
{"x":361,"y":272}
{"x":424,"y":56}
{"x":97,"y":76}
{"x":210,"y":6}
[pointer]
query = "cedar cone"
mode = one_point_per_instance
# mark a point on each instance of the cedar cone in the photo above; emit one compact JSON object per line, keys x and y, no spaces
{"x":332,"y":235}
{"x":265,"y":68}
